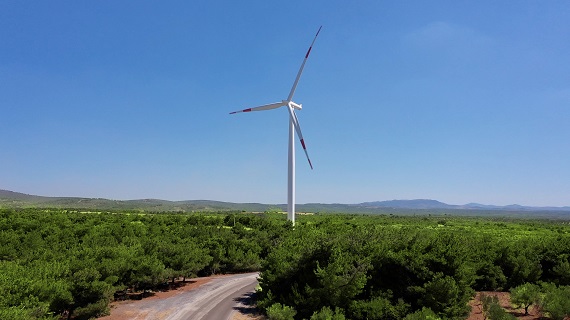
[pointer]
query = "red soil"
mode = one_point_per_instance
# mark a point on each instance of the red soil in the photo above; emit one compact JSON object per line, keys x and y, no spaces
{"x":128,"y":309}
{"x":504,"y":301}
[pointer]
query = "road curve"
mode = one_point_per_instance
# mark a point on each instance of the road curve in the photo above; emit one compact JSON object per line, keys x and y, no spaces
{"x":217,"y":299}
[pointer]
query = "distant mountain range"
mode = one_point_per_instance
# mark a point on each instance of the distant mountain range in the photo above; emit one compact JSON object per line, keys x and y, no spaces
{"x":434,"y":204}
{"x":11,"y":199}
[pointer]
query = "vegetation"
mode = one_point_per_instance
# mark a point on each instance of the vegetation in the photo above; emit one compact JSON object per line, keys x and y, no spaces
{"x":492,"y":310}
{"x":556,"y":301}
{"x":56,"y":263}
{"x":280,"y":312}
{"x":525,"y":295}
{"x":395,"y":267}
{"x":12,"y":200}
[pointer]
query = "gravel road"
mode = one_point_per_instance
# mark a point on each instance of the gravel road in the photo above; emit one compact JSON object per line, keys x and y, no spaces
{"x":218,"y":299}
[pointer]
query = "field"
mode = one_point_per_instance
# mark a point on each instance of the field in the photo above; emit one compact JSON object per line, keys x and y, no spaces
{"x":58,"y":263}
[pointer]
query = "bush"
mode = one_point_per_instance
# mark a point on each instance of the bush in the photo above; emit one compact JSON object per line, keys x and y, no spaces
{"x":97,"y":309}
{"x":443,"y":295}
{"x":277,"y":311}
{"x":525,"y":295}
{"x":377,"y":308}
{"x":327,"y":314}
{"x":498,"y":313}
{"x":562,"y":272}
{"x":556,"y":302}
{"x":492,"y":309}
{"x":424,"y":314}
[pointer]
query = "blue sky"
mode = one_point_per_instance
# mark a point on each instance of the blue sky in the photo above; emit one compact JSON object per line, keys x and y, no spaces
{"x":459,"y":101}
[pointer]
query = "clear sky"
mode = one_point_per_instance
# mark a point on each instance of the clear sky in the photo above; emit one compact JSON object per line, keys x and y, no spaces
{"x":458,"y":101}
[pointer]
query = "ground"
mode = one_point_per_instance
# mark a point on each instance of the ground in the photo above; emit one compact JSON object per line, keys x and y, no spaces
{"x":504,"y":301}
{"x":130,"y":309}
{"x":137,"y":308}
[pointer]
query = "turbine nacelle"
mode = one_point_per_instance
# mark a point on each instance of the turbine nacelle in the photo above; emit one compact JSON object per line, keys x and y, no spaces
{"x":294,"y":105}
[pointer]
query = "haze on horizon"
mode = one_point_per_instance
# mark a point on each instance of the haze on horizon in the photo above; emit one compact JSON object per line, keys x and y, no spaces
{"x":457,"y":102}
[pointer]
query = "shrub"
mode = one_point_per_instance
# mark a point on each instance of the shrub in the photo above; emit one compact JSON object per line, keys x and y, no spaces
{"x":556,"y":302}
{"x":498,"y":313}
{"x":377,"y":308}
{"x":424,"y":314}
{"x":492,"y":310}
{"x":327,"y":314}
{"x":277,"y":311}
{"x":525,"y":295}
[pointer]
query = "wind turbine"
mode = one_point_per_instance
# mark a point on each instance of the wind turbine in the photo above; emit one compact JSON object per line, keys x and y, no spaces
{"x":293,"y":126}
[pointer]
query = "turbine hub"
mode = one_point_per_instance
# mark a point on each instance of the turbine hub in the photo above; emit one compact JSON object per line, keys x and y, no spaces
{"x":296,"y":106}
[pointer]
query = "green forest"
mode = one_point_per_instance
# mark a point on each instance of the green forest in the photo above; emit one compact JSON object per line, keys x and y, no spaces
{"x":69,"y":264}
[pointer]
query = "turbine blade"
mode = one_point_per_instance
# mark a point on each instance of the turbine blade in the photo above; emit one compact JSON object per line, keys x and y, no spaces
{"x":261,"y":108}
{"x":299,"y":134}
{"x":302,"y":66}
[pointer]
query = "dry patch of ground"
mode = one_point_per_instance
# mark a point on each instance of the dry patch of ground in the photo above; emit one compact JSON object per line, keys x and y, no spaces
{"x":505,"y":302}
{"x":240,"y":316}
{"x":131,"y":309}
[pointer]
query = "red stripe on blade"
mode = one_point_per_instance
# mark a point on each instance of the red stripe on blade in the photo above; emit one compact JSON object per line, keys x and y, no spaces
{"x":303,"y":143}
{"x":307,"y":55}
{"x":247,"y":110}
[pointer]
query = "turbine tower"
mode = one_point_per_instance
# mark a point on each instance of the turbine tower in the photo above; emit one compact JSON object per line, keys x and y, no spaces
{"x":293,"y":126}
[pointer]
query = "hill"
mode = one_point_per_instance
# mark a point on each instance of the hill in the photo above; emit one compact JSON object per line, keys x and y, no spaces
{"x":11,"y":199}
{"x":409,"y":204}
{"x":434,"y":204}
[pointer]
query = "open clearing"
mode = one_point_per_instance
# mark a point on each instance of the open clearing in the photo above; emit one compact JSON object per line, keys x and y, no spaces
{"x":206,"y":293}
{"x":216,"y":297}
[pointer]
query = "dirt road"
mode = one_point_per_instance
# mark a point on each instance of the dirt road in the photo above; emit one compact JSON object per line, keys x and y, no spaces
{"x":226,"y":297}
{"x":218,"y":299}
{"x":210,"y":298}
